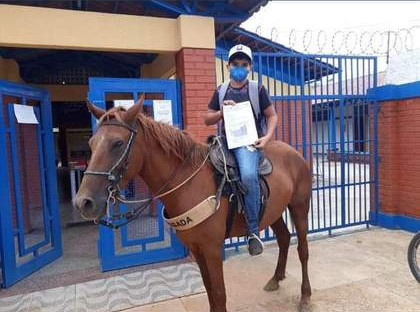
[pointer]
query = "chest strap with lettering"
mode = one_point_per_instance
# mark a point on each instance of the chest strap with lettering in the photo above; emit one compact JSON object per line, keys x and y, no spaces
{"x":198,"y":213}
{"x":195,"y":216}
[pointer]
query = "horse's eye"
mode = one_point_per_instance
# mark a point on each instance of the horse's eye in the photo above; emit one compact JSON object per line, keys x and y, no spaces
{"x":118,"y":144}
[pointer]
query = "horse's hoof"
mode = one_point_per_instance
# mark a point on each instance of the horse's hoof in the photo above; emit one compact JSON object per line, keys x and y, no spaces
{"x":305,"y":305}
{"x":272,"y":285}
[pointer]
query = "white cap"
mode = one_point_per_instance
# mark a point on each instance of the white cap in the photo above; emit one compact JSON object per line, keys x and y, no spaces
{"x":240,"y":48}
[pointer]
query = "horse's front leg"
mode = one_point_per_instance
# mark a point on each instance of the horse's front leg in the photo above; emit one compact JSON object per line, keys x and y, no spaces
{"x":214,"y":264}
{"x":201,"y":261}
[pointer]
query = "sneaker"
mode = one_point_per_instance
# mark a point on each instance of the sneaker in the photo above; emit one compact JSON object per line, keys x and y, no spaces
{"x":255,"y":245}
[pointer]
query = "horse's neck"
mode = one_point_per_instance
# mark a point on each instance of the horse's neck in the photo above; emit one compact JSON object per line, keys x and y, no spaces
{"x":158,"y":169}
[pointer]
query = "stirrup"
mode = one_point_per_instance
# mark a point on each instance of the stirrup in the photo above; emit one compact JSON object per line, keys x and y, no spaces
{"x":257,"y":249}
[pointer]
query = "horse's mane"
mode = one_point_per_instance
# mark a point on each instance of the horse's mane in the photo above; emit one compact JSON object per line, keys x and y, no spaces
{"x":172,"y":140}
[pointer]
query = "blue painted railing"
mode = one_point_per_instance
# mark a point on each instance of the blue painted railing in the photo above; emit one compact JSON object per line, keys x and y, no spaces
{"x":324,"y":110}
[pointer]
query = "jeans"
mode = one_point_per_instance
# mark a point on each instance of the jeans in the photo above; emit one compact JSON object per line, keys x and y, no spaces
{"x":248,"y":162}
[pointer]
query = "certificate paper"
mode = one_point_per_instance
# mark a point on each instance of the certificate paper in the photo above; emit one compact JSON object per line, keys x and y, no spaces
{"x":239,"y":125}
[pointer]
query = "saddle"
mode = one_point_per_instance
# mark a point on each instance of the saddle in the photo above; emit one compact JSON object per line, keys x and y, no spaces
{"x":228,"y":179}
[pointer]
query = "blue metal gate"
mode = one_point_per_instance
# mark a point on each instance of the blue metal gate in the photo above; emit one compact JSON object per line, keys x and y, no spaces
{"x":30,"y":235}
{"x":325,"y":112}
{"x":147,"y":239}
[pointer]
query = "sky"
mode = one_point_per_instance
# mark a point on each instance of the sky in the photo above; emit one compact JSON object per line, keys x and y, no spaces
{"x":359,"y":21}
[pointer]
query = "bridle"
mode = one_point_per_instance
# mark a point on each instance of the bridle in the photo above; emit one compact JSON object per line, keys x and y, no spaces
{"x":123,"y":159}
{"x":116,"y":220}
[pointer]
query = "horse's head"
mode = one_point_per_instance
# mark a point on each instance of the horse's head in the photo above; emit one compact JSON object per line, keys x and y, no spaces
{"x":112,"y":146}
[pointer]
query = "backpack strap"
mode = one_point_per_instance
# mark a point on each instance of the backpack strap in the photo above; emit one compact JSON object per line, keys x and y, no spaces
{"x":222,"y":92}
{"x":254,"y":97}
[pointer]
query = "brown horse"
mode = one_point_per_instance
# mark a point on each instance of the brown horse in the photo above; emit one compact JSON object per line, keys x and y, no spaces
{"x":156,"y":151}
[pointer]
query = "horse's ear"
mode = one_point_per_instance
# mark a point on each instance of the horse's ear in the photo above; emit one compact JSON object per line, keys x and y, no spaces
{"x":94,"y":110}
{"x":134,"y":110}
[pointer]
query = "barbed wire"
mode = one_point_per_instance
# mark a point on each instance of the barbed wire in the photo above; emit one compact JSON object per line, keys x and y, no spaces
{"x":372,"y":42}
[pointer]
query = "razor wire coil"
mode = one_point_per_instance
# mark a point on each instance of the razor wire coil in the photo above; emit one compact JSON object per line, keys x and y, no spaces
{"x":372,"y":42}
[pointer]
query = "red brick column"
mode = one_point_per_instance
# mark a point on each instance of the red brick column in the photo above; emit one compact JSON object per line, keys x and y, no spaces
{"x":399,"y":154}
{"x":197,"y":71}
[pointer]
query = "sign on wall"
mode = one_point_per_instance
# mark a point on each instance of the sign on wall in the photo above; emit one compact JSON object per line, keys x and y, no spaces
{"x":25,"y":114}
{"x":162,"y":111}
{"x":124,"y":103}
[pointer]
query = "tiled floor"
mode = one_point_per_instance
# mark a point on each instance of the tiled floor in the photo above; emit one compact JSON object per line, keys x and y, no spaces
{"x":80,"y":262}
{"x":112,"y":293}
{"x":363,"y":271}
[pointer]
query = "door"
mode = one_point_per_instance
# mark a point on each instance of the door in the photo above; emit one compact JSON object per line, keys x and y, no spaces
{"x":30,"y":235}
{"x":147,"y":239}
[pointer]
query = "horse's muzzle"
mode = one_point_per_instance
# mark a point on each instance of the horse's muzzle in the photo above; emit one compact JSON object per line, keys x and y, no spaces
{"x":87,"y":207}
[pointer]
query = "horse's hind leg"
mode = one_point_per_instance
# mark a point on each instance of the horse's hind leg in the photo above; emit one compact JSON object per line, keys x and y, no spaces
{"x":299,"y":211}
{"x":283,"y":240}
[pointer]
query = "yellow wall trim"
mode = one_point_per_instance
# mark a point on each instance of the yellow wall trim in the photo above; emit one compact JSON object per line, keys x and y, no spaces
{"x":25,"y":26}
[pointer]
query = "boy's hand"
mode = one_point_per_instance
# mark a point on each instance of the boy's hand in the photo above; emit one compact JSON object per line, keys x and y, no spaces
{"x":261,"y":142}
{"x":229,"y":102}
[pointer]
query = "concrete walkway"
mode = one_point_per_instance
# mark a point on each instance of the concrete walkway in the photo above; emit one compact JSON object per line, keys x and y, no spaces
{"x":363,"y":271}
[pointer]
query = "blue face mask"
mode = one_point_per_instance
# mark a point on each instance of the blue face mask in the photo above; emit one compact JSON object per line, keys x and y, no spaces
{"x":238,"y":73}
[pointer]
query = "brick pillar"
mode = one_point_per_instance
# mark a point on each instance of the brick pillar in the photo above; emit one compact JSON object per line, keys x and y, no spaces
{"x":196,"y":70}
{"x":399,"y":154}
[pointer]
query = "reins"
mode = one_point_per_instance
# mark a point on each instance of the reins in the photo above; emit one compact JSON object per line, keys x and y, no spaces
{"x":169,"y":191}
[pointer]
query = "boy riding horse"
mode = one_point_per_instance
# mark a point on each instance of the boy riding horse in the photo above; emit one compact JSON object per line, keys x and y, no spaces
{"x":240,"y":89}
